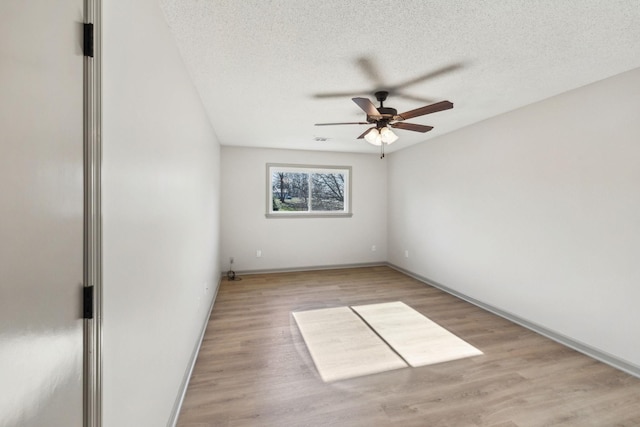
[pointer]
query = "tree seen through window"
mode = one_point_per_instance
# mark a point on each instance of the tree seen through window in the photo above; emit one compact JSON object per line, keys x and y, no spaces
{"x":296,"y":190}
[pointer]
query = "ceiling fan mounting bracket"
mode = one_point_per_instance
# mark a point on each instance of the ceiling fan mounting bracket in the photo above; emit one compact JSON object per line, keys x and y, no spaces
{"x":382,"y":96}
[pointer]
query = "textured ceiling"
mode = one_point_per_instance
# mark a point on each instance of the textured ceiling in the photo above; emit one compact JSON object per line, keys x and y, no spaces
{"x":264,"y":68}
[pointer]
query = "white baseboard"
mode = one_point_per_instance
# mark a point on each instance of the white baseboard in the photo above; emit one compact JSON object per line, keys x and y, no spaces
{"x":175,"y":412}
{"x":309,"y":268}
{"x":585,"y":349}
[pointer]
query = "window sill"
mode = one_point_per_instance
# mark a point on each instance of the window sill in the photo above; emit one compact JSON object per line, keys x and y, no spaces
{"x":309,"y":215}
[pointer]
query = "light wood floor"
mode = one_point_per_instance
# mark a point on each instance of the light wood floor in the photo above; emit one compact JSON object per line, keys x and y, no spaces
{"x":254,"y":370}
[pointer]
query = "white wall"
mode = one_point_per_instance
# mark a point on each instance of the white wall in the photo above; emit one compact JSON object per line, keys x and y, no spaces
{"x":299,"y":242}
{"x":535,"y":212}
{"x":160,"y":216}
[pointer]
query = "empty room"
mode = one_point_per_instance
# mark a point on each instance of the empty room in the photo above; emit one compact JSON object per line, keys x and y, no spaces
{"x":337,"y":213}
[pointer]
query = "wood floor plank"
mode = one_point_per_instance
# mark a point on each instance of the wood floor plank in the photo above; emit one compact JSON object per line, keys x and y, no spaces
{"x":254,"y":369}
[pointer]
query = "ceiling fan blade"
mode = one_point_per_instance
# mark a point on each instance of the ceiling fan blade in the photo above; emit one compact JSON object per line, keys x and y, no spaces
{"x":365,"y":132}
{"x":367,"y":106}
{"x":370,"y":70}
{"x":346,"y":123}
{"x":427,"y":76}
{"x":339,"y":94}
{"x":413,"y":98}
{"x":411,"y":126}
{"x":428,"y":109}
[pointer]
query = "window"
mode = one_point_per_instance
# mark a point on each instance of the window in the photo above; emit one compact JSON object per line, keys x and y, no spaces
{"x":299,"y":190}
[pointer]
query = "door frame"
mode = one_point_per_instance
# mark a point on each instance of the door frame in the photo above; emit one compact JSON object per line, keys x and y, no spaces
{"x":92,"y":263}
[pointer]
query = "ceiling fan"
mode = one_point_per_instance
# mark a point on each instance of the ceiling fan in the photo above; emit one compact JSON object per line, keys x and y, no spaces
{"x":385,"y":117}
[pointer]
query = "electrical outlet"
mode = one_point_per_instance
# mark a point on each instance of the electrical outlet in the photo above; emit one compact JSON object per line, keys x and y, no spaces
{"x":259,"y":253}
{"x":406,"y":253}
{"x":373,"y":248}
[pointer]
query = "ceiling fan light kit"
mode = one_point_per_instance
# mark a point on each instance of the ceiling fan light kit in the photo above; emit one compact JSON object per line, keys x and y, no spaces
{"x":385,"y":117}
{"x":378,"y":137}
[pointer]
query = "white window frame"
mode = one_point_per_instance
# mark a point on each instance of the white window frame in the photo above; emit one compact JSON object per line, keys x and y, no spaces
{"x":308,"y":169}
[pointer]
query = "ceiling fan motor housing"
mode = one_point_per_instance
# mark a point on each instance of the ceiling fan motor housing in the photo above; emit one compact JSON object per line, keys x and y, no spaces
{"x":387,"y":113}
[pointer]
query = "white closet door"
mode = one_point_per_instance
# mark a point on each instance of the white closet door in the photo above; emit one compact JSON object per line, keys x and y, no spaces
{"x":41,"y":212}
